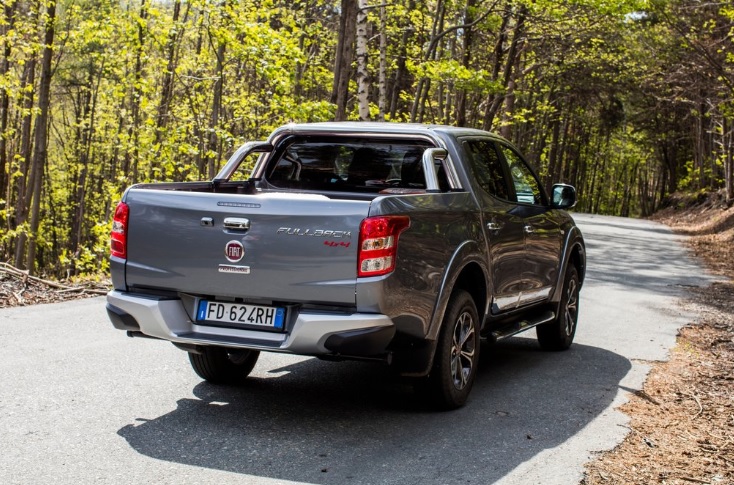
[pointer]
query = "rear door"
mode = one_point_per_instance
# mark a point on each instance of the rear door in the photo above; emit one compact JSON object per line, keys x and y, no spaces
{"x":267,"y":246}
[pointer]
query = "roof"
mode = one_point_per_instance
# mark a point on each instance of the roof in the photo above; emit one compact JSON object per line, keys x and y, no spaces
{"x":376,"y":128}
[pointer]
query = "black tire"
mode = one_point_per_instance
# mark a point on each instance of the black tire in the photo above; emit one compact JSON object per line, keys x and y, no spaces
{"x":558,"y":334}
{"x":457,"y":354}
{"x":223,"y":366}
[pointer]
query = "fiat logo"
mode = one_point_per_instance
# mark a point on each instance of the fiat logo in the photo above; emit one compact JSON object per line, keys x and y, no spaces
{"x":234,"y":251}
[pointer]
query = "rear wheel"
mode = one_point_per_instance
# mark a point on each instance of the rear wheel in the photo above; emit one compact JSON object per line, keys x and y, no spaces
{"x":558,"y":334}
{"x":457,"y":354}
{"x":223,"y":366}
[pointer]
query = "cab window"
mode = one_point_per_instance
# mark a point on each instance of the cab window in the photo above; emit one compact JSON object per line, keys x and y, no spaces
{"x":526,"y":187}
{"x":487,"y":167}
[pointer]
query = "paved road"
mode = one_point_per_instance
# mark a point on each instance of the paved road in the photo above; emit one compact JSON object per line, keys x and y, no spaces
{"x":82,"y":403}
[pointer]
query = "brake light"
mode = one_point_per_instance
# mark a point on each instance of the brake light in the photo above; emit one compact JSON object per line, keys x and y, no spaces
{"x":378,"y":244}
{"x":118,"y":237}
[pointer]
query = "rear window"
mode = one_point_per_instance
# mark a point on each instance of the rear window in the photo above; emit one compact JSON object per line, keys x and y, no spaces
{"x":338,"y":164}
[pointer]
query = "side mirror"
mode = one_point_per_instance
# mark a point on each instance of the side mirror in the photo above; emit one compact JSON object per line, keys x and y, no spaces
{"x":564,"y":196}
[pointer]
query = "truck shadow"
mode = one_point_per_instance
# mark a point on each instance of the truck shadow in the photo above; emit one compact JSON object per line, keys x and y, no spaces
{"x":336,"y":423}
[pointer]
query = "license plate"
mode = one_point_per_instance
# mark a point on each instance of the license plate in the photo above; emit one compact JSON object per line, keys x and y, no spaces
{"x":241,"y":314}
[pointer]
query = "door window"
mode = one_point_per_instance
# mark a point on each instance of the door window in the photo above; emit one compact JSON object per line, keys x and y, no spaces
{"x":487,"y":167}
{"x":527,"y":187}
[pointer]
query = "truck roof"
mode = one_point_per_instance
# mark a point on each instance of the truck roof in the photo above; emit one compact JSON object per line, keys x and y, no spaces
{"x":375,"y":128}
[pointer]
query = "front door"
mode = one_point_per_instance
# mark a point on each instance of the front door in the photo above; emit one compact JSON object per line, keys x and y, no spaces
{"x":543,"y":237}
{"x":503,"y":227}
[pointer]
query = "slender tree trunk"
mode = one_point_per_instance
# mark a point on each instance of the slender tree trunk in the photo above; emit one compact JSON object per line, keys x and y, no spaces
{"x":492,"y":102}
{"x":553,"y":155}
{"x":363,"y":78}
{"x":510,"y":71}
{"x":402,"y":82}
{"x":86,"y":122}
{"x":171,"y":63}
{"x":344,"y":56}
{"x":132,"y":154}
{"x":40,"y":142}
{"x":465,"y":60}
{"x":23,"y":186}
{"x":382,"y":81}
{"x":9,"y":14}
{"x":424,"y":85}
{"x":728,"y":140}
{"x":213,"y":152}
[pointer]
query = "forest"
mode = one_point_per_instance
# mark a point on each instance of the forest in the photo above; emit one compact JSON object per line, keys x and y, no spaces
{"x":628,"y":100}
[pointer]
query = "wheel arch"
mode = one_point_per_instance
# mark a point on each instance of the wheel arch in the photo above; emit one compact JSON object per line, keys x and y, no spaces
{"x":473,"y":280}
{"x":466,"y":267}
{"x":574,"y":252}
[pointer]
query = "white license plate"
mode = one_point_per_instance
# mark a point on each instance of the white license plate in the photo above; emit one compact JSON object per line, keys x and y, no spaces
{"x":241,"y":314}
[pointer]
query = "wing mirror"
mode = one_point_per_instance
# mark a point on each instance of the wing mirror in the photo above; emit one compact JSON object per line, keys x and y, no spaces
{"x":564,"y":196}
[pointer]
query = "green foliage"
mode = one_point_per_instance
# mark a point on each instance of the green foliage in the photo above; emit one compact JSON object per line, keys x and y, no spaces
{"x":626,"y":99}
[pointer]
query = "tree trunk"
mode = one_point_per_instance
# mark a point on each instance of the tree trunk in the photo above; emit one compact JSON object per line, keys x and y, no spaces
{"x":9,"y":14}
{"x":131,"y":155}
{"x":40,"y":141}
{"x":23,"y":184}
{"x":213,"y":151}
{"x":171,"y":64}
{"x":509,"y":75}
{"x":465,"y":58}
{"x":728,"y":139}
{"x":493,"y":100}
{"x":382,"y":81}
{"x":363,"y":78}
{"x":402,"y":82}
{"x":343,"y":58}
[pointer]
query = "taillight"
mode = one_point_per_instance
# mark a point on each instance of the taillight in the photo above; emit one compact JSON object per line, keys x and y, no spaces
{"x":378,"y":244}
{"x":118,"y":237}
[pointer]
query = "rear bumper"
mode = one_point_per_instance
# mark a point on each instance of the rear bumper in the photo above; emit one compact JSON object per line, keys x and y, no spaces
{"x":356,"y":334}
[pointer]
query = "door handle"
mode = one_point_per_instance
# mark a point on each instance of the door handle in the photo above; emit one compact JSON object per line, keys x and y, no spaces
{"x":493,"y":226}
{"x":237,"y":223}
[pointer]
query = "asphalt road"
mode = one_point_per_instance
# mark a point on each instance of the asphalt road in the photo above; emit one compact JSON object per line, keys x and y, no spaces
{"x":82,"y":403}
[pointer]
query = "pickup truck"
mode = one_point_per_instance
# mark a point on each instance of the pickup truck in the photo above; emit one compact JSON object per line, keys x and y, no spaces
{"x":398,"y":243}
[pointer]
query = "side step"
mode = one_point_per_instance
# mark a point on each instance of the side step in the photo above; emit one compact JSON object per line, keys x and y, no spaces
{"x":516,"y":327}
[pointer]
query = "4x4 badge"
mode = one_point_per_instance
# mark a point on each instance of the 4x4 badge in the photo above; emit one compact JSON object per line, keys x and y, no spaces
{"x":234,"y":251}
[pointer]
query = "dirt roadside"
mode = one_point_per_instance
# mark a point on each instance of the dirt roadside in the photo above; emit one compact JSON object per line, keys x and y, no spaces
{"x":682,"y":422}
{"x":17,"y":288}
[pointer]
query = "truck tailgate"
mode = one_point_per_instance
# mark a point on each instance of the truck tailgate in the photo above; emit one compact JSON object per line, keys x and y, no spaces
{"x":290,"y":247}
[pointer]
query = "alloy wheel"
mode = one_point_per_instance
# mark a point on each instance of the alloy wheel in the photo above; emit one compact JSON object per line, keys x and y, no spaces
{"x":462,"y":350}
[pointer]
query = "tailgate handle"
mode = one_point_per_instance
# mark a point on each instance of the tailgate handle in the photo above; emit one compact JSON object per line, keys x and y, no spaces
{"x":237,"y":223}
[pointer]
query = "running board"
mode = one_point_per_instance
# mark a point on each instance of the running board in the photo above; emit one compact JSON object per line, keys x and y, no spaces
{"x":516,"y":327}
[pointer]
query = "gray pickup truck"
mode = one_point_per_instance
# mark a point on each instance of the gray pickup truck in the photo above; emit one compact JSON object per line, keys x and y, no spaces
{"x":403,"y":244}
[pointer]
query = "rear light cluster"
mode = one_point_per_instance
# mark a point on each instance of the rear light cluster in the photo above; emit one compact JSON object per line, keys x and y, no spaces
{"x":118,"y":237}
{"x":378,"y":244}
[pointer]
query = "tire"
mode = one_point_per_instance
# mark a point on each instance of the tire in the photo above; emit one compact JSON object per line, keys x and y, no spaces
{"x":559,"y":334}
{"x":456,"y":360}
{"x":223,"y":366}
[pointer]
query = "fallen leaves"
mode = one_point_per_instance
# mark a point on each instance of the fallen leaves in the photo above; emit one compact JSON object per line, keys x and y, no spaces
{"x":682,"y":422}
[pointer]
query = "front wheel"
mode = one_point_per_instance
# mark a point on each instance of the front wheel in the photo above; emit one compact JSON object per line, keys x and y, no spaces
{"x":457,"y":353}
{"x":558,"y":334}
{"x":223,"y":366}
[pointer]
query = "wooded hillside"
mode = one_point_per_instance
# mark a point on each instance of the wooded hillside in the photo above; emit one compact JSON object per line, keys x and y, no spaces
{"x":628,"y":100}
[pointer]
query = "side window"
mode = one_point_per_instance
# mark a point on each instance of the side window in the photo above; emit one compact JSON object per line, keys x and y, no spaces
{"x":527,"y":188}
{"x":487,"y":168}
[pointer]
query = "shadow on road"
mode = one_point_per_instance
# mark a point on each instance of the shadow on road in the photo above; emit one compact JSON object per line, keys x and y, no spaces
{"x":337,"y":423}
